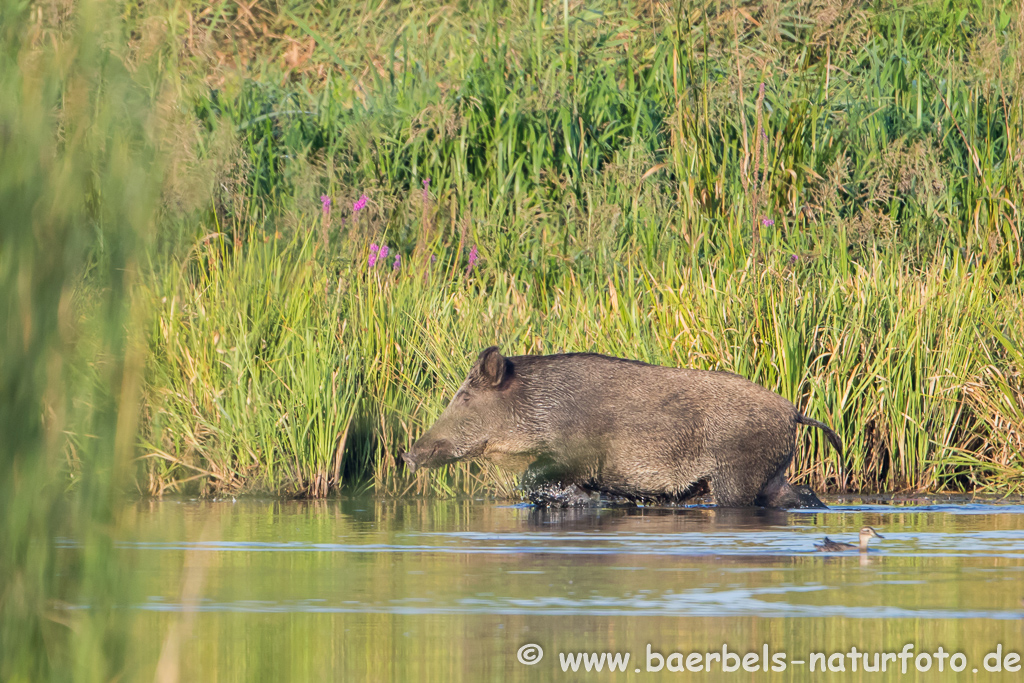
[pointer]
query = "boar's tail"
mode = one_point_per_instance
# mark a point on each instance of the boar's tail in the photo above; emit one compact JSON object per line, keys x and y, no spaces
{"x":832,"y":436}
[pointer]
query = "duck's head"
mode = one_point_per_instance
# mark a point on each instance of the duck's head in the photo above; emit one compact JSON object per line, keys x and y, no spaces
{"x":868,"y":532}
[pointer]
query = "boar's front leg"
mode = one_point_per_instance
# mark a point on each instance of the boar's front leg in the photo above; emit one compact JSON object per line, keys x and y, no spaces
{"x":542,"y":483}
{"x":559,"y":495}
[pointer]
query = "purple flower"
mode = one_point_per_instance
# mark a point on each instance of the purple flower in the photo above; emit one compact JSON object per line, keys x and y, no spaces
{"x":373,"y":255}
{"x":426,"y":191}
{"x":383,"y":252}
{"x":433,"y":258}
{"x":358,"y":206}
{"x":767,"y":222}
{"x":325,"y":202}
{"x":474,"y":255}
{"x":793,"y":258}
{"x":398,"y":262}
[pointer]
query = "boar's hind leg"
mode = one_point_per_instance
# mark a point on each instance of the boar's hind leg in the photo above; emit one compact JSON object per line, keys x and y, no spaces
{"x":749,"y":486}
{"x":779,"y":493}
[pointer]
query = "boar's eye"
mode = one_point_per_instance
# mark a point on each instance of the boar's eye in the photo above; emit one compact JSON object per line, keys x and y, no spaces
{"x":463,"y":396}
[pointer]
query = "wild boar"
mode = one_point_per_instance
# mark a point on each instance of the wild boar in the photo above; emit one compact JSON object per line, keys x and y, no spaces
{"x":585,"y":423}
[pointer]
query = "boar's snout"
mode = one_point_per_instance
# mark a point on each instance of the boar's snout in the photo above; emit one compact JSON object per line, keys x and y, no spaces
{"x":410,"y":461}
{"x":428,"y":455}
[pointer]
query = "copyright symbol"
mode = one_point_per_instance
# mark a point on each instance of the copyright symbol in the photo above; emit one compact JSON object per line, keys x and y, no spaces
{"x":530,"y":654}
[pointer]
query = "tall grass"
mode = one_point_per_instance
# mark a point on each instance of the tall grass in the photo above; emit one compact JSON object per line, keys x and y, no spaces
{"x":542,"y":132}
{"x":820,"y":196}
{"x":913,"y":369}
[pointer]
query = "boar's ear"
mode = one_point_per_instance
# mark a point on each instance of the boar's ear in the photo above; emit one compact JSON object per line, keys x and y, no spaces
{"x":490,"y":368}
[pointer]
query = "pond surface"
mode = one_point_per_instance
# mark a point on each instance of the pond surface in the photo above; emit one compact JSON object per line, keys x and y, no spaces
{"x":370,"y":590}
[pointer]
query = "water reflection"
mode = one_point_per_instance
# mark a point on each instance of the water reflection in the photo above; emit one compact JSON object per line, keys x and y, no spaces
{"x":390,"y":590}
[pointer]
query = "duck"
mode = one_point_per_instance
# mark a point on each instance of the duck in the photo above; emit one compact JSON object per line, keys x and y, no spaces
{"x":830,"y":546}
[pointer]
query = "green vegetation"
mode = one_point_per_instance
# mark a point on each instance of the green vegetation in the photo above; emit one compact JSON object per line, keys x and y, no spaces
{"x":805,"y":193}
{"x":820,"y":196}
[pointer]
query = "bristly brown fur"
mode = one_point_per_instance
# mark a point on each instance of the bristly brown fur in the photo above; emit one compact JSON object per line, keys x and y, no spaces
{"x":587,"y":423}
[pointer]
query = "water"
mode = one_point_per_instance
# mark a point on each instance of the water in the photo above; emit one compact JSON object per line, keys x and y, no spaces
{"x":423,"y":591}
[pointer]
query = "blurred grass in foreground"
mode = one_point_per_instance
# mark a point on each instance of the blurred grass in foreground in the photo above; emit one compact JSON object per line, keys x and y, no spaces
{"x":78,"y":187}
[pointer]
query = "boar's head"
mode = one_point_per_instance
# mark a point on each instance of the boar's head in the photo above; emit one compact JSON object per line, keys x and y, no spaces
{"x":477,"y":421}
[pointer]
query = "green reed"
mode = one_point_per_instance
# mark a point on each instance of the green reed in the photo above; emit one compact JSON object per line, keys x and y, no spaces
{"x":914,"y":369}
